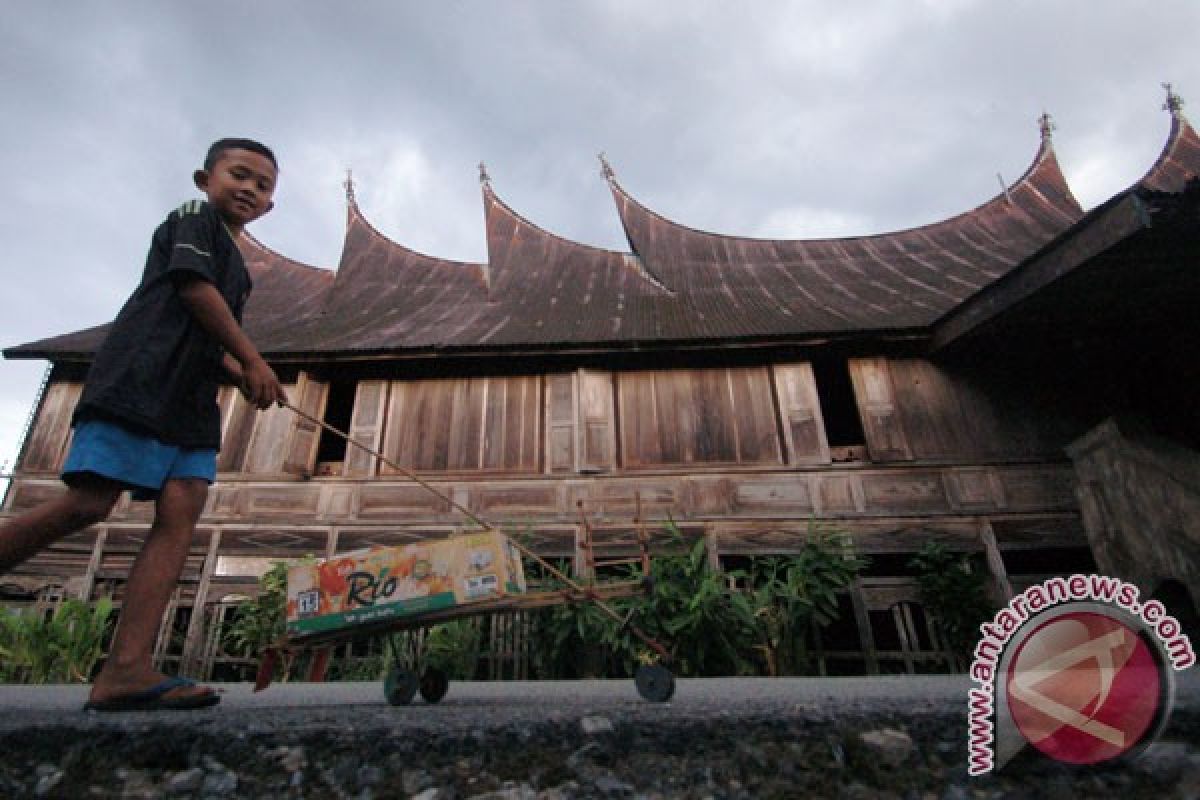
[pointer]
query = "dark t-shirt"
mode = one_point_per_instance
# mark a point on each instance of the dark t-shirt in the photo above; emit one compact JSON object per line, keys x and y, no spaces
{"x":157,"y":371}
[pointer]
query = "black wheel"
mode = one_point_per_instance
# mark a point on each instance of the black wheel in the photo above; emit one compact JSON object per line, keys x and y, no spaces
{"x":434,"y":684}
{"x":654,"y":683}
{"x":400,"y":686}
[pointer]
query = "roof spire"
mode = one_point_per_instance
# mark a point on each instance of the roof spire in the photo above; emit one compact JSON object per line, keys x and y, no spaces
{"x":1047,"y":126}
{"x":484,"y":178}
{"x":349,"y":186}
{"x":1174,"y":102}
{"x":605,"y":168}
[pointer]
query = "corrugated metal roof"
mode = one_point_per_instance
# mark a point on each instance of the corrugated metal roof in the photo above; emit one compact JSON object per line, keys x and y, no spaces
{"x":542,"y":291}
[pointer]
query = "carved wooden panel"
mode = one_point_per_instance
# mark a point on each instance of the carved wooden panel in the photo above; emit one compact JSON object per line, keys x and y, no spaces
{"x":657,"y":497}
{"x":839,"y":494}
{"x":398,"y":499}
{"x":264,"y":540}
{"x":776,"y":497}
{"x":276,"y":501}
{"x":1038,"y":487}
{"x":904,"y":492}
{"x":974,"y":489}
{"x":495,"y":501}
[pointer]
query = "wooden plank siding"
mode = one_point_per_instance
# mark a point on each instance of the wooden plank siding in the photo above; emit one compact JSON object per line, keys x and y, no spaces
{"x":474,"y":424}
{"x":697,"y":416}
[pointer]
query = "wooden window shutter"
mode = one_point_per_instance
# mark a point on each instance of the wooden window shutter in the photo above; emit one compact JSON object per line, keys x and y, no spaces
{"x":268,"y":442}
{"x":366,"y":426}
{"x":46,"y":448}
{"x":882,"y":424}
{"x":310,"y":396}
{"x":560,"y":423}
{"x":237,"y":424}
{"x":597,"y":433}
{"x":800,"y":411}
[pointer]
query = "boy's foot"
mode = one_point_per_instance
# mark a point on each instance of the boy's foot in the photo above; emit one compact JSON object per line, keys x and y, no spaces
{"x":162,"y":693}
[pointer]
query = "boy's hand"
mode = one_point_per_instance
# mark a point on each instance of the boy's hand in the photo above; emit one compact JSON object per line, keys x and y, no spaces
{"x":261,"y":386}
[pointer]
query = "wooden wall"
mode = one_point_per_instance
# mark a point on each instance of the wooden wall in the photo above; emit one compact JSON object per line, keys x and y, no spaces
{"x":735,"y":454}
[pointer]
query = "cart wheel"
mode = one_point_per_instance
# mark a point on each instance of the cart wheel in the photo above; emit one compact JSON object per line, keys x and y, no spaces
{"x":654,"y":683}
{"x":400,"y":686}
{"x":434,"y":684}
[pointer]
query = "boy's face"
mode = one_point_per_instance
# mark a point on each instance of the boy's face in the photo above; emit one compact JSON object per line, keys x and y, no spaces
{"x":239,"y":186}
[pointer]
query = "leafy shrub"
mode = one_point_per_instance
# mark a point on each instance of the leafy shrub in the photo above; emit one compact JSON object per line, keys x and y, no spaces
{"x":61,"y":647}
{"x":953,"y":590}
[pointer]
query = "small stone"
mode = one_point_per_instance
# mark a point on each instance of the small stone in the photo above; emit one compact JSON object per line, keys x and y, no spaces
{"x":47,"y":782}
{"x":187,"y":781}
{"x":220,"y":783}
{"x":584,"y":755}
{"x":596,"y":725}
{"x":293,"y":759}
{"x":212,"y":765}
{"x":891,"y":746}
{"x":415,"y":781}
{"x":612,"y":786}
{"x":46,"y":769}
{"x":432,"y":793}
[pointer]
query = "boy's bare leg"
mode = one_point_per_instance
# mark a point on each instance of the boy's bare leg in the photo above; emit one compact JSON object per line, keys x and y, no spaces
{"x":129,"y":667}
{"x":25,"y":535}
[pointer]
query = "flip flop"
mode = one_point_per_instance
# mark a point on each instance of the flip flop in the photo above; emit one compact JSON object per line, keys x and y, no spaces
{"x":155,"y":699}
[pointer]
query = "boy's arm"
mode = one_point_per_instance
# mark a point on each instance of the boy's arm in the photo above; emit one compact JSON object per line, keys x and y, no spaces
{"x":259,"y":383}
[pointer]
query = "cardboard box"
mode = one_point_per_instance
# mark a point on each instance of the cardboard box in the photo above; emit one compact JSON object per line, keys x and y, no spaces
{"x":388,"y":582}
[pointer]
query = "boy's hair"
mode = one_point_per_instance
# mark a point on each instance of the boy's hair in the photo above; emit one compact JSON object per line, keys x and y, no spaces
{"x":221,"y":145}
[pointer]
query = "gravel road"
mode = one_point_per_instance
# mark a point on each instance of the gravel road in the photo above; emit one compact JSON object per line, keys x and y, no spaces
{"x":898,"y":737}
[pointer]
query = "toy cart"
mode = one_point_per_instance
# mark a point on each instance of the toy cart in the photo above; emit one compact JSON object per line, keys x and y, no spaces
{"x":654,"y":682}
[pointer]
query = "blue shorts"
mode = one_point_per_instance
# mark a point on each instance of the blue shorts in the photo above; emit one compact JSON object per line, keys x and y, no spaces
{"x":142,"y":463}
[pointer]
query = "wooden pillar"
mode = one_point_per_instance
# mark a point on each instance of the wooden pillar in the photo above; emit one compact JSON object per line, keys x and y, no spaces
{"x":193,"y":645}
{"x":866,"y":639}
{"x":89,"y":577}
{"x":1002,"y":589}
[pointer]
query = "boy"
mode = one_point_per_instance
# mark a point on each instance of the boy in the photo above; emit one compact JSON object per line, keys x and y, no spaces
{"x":148,"y":419}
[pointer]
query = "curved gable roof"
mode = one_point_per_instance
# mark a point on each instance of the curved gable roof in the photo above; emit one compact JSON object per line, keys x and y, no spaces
{"x":1179,"y":160}
{"x":893,"y":280}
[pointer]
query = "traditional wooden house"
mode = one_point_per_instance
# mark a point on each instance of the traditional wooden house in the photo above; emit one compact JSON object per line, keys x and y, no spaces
{"x":956,"y":382}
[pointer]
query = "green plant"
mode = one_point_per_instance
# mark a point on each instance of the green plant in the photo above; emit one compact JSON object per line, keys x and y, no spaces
{"x":708,"y":627}
{"x":61,"y":647}
{"x":453,"y":648}
{"x":576,"y":639}
{"x":790,"y":595}
{"x":953,"y":590}
{"x":261,"y":620}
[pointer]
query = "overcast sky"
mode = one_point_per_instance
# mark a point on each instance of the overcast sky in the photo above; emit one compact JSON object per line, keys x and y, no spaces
{"x":770,"y":119}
